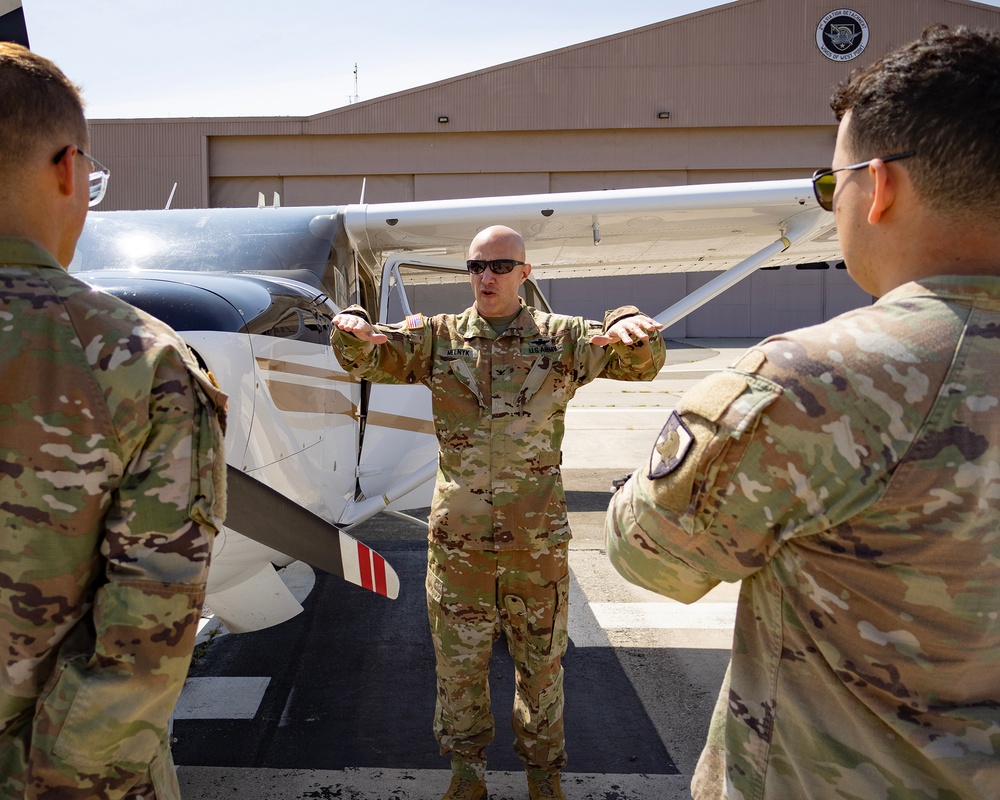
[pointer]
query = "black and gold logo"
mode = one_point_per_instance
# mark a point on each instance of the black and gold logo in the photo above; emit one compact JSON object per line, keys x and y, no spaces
{"x":842,"y":35}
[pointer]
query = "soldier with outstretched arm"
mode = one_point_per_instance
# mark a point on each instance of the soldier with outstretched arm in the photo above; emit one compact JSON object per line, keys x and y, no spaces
{"x":847,"y":474}
{"x":501,"y":375}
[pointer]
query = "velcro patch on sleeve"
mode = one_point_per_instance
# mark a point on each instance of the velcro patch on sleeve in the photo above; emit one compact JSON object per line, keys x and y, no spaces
{"x":750,"y":361}
{"x":672,"y":445}
{"x":415,"y":321}
{"x":711,"y":397}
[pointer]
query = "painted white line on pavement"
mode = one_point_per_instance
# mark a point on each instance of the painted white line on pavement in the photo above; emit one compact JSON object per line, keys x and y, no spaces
{"x":671,"y":616}
{"x":619,"y":411}
{"x":221,"y":698}
{"x":223,"y":783}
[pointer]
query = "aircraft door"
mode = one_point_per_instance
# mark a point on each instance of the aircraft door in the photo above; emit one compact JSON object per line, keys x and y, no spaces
{"x":398,"y":440}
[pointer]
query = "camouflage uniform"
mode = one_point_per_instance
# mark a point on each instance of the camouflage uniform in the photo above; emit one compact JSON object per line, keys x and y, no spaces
{"x":848,"y":475}
{"x":111,"y":493}
{"x":498,"y":527}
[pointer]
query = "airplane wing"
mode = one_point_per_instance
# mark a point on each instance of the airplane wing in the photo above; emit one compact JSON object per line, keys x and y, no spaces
{"x":618,"y":231}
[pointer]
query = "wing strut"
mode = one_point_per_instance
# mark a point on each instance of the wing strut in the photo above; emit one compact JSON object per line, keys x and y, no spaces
{"x":358,"y":512}
{"x":800,"y":229}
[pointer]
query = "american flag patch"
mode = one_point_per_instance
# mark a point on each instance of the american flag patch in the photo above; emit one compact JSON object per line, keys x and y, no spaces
{"x":415,"y":321}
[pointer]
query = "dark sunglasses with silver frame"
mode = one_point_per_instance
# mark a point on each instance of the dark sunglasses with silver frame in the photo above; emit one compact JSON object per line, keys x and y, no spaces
{"x":825,"y":180}
{"x":498,"y":266}
{"x":98,"y":177}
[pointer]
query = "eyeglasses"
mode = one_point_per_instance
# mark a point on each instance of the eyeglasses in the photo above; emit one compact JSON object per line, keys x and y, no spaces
{"x":825,"y":180}
{"x":498,"y":266}
{"x":98,"y":176}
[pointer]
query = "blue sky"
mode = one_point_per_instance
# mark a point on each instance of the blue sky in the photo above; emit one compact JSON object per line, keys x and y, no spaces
{"x":184,"y":58}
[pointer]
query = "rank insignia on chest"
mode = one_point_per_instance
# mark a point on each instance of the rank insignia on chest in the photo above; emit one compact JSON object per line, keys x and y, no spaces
{"x":672,"y":445}
{"x":415,"y":321}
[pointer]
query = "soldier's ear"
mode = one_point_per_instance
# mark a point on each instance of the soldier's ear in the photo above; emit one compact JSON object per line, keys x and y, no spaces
{"x":883,"y":192}
{"x":65,"y":174}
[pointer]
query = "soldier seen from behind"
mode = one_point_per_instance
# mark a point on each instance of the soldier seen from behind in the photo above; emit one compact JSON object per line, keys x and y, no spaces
{"x":849,"y":473}
{"x":111,"y":481}
{"x":501,"y":375}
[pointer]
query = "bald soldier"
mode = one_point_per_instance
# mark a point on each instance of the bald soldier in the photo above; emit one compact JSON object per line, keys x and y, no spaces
{"x":848,"y":473}
{"x":111,"y":481}
{"x":500,"y":375}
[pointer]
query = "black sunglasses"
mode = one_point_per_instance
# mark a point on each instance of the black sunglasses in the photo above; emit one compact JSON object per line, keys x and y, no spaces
{"x":498,"y":266}
{"x":825,"y":180}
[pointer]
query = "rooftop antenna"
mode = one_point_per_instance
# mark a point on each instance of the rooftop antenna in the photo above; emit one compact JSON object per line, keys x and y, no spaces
{"x":355,"y":81}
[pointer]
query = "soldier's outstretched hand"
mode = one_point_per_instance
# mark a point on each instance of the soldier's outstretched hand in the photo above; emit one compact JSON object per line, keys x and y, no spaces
{"x":355,"y":325}
{"x":628,"y":330}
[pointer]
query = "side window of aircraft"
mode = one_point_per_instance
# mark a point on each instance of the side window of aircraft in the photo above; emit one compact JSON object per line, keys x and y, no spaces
{"x":533,"y":296}
{"x":301,"y":325}
{"x":429,"y":290}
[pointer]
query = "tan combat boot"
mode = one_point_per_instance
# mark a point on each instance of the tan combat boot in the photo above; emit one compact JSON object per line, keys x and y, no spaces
{"x":546,"y":788}
{"x":465,"y":789}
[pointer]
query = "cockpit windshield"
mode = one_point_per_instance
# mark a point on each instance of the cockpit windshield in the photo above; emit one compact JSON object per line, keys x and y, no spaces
{"x":297,"y":243}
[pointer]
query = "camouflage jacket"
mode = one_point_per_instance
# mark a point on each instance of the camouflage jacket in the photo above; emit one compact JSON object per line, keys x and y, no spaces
{"x":848,"y":474}
{"x":111,"y":492}
{"x":499,"y":404}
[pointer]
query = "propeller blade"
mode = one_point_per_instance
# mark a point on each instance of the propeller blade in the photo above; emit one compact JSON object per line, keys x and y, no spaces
{"x":265,"y":515}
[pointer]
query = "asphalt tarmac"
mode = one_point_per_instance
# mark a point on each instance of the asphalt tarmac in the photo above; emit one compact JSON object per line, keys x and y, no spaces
{"x":337,"y":702}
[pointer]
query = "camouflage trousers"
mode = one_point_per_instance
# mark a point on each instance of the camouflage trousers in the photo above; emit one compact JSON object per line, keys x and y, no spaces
{"x":43,"y":776}
{"x":473,"y":595}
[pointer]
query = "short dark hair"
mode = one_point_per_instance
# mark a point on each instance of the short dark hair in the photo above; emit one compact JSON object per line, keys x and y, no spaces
{"x":940,"y":97}
{"x":37,"y":103}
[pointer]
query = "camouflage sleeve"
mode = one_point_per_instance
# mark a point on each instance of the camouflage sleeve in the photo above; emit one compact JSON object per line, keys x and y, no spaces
{"x":355,"y":356}
{"x":645,"y":555}
{"x":105,"y":714}
{"x":404,"y":358}
{"x":717,"y":498}
{"x":626,"y":362}
{"x":742,"y":465}
{"x":660,"y":527}
{"x":618,"y":314}
{"x":636,"y":362}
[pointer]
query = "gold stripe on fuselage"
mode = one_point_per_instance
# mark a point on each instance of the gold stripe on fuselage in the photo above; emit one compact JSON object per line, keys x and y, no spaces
{"x":400,"y":423}
{"x":302,"y":398}
{"x":293,"y":368}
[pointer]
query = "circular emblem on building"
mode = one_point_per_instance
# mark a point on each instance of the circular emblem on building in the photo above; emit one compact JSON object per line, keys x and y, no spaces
{"x":842,"y":35}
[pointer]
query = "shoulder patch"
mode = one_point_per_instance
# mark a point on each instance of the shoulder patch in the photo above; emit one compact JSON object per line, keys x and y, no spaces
{"x":415,"y":321}
{"x":672,"y":445}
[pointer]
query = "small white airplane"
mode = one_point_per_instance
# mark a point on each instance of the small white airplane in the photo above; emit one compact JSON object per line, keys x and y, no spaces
{"x":311,"y":452}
